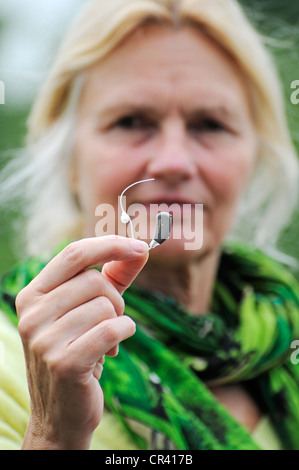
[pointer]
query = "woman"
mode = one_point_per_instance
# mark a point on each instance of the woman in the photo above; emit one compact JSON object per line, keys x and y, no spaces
{"x":163,"y":90}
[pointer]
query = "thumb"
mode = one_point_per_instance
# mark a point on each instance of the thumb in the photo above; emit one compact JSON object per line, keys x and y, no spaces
{"x":122,"y":273}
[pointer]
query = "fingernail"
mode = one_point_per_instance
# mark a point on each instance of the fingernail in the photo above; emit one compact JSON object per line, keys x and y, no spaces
{"x":139,"y":246}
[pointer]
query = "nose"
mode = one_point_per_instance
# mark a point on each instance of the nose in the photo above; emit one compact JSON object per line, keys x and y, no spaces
{"x":172,"y":161}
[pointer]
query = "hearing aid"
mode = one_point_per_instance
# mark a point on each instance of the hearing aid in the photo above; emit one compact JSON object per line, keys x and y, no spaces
{"x":163,"y":221}
{"x":163,"y":229}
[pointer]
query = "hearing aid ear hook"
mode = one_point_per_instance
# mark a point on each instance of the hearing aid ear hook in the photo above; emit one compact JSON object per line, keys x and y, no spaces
{"x":163,"y":221}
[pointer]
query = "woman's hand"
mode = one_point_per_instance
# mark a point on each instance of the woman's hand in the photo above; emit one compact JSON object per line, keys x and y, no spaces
{"x":69,"y":318}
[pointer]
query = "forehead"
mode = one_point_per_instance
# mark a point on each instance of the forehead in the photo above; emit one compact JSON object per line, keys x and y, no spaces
{"x":158,"y":62}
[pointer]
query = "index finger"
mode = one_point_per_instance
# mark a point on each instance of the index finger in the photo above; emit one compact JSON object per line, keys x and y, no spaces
{"x":86,"y":253}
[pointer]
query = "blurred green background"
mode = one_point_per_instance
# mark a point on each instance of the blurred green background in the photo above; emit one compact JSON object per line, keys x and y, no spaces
{"x":30,"y":31}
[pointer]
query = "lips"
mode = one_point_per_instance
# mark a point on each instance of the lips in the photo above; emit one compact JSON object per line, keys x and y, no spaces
{"x":168,"y":200}
{"x":178,"y":208}
{"x":172,"y":205}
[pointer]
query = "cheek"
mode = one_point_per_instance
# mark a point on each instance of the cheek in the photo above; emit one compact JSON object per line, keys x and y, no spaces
{"x":228,"y":174}
{"x":103,"y":168}
{"x":92,"y":174}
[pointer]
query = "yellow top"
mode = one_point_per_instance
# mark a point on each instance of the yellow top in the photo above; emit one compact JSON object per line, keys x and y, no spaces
{"x":15,"y":404}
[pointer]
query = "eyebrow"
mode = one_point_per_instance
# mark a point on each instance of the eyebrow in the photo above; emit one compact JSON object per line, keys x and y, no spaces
{"x":109,"y":111}
{"x":118,"y":109}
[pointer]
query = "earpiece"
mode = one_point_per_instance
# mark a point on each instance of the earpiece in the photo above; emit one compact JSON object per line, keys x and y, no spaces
{"x":163,"y":221}
{"x":125,"y":218}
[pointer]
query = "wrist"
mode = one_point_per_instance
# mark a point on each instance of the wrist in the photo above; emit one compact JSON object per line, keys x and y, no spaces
{"x":38,"y":438}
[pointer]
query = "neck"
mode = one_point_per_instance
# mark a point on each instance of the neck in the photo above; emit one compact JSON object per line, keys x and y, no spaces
{"x":191,"y":284}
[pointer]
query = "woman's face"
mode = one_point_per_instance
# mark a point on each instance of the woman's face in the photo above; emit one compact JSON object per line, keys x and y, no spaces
{"x":169,"y":105}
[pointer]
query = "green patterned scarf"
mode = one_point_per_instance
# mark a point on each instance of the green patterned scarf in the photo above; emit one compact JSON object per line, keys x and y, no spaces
{"x":156,"y":384}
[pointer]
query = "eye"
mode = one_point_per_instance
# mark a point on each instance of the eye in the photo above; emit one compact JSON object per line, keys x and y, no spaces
{"x":207,"y":125}
{"x":134,"y":122}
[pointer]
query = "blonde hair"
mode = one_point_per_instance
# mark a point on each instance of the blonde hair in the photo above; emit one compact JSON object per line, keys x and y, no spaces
{"x":51,"y":209}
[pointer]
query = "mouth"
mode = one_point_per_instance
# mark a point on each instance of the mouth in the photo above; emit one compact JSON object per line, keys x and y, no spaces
{"x":181,"y":209}
{"x":169,"y":200}
{"x":167,"y":204}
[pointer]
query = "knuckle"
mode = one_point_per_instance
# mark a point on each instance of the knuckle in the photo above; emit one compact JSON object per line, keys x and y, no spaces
{"x":26,"y":326}
{"x":58,"y":364}
{"x":131,"y":326}
{"x":39,"y":346}
{"x":37,"y":349}
{"x":110,"y":333}
{"x":74,"y":253}
{"x":104,"y":305}
{"x":20,"y":301}
{"x":45,"y":351}
{"x":24,"y":330}
{"x":94,"y":277}
{"x":121,"y":305}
